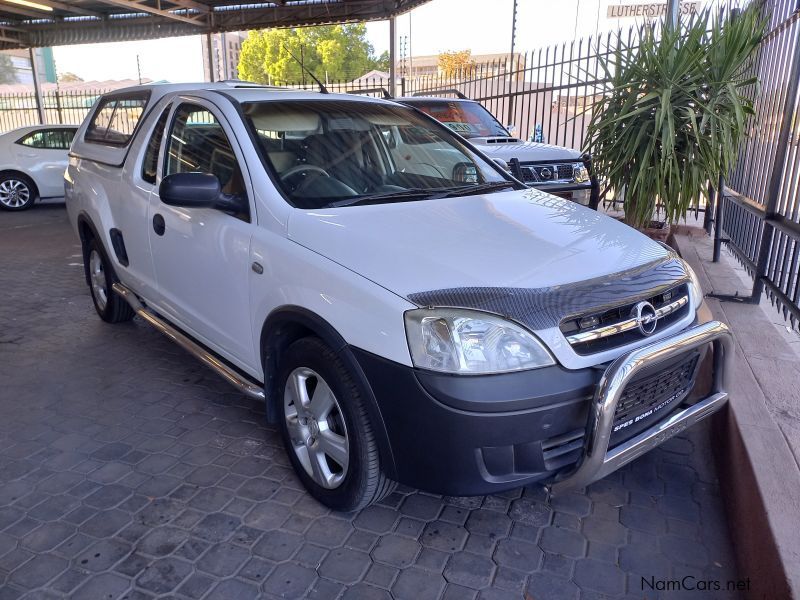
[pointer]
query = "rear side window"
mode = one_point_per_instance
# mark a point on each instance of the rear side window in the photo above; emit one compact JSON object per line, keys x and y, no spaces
{"x":116,"y":118}
{"x":50,"y":139}
{"x":150,"y":162}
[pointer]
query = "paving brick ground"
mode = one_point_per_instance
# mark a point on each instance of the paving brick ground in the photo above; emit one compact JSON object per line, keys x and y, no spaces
{"x":127,"y":470}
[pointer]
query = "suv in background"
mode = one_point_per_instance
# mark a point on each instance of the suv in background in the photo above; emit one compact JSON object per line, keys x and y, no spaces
{"x":554,"y":169}
{"x":407,"y":311}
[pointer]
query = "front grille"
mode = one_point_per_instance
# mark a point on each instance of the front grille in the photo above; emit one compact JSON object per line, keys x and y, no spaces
{"x":579,"y":337}
{"x":565,"y":172}
{"x":547,"y":173}
{"x":646,"y":397}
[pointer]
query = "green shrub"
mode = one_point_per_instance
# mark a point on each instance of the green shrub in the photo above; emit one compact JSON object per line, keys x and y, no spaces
{"x":674,"y":111}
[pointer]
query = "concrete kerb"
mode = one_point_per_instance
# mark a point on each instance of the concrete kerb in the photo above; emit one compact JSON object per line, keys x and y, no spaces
{"x":759,"y":473}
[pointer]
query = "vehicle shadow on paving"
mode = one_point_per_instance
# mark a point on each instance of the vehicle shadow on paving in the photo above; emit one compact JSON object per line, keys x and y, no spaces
{"x":129,"y":470}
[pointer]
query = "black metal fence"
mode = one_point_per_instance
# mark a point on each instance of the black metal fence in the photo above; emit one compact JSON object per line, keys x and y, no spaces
{"x":62,"y":107}
{"x":545,"y":95}
{"x":758,"y":217}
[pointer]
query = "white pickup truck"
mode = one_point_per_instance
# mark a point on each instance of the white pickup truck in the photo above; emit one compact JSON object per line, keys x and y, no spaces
{"x":443,"y":327}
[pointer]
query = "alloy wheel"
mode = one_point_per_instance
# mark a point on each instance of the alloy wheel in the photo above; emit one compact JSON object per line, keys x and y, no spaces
{"x":97,"y":276}
{"x":14,"y":193}
{"x":316,"y":427}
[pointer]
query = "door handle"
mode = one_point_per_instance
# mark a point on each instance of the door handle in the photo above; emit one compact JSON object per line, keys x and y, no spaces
{"x":158,"y":224}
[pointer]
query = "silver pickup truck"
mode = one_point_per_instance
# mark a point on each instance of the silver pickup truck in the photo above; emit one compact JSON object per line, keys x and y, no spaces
{"x":554,"y":169}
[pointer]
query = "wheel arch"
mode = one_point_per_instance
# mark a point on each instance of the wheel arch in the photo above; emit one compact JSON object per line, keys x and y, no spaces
{"x":4,"y":171}
{"x":288,"y":324}
{"x":87,"y":232}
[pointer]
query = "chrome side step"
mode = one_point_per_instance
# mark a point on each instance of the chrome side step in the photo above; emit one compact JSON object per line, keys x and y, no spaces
{"x":243,"y":384}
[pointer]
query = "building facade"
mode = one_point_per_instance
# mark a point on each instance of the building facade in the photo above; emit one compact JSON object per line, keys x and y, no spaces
{"x":16,"y":66}
{"x":225,"y":51}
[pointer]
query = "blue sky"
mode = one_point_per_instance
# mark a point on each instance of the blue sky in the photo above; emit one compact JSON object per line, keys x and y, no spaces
{"x":483,"y":26}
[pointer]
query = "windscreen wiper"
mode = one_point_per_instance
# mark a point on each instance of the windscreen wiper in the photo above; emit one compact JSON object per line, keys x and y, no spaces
{"x":408,"y":194}
{"x":479,"y":188}
{"x":425,"y":193}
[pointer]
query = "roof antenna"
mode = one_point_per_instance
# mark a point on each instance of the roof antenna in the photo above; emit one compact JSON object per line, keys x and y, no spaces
{"x":322,"y":88}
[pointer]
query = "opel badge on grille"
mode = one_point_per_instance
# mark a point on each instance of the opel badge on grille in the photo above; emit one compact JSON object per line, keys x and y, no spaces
{"x":646,"y":317}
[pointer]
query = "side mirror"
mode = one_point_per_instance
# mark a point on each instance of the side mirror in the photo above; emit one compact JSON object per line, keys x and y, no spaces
{"x":200,"y":190}
{"x":190,"y":190}
{"x":512,"y":129}
{"x":502,"y":164}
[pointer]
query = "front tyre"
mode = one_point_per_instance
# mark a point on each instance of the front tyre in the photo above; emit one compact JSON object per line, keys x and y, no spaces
{"x":111,"y":307}
{"x":326,"y":429}
{"x":17,"y":192}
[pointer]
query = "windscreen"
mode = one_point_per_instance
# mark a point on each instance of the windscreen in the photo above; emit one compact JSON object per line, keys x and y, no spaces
{"x":338,"y":152}
{"x":468,"y":119}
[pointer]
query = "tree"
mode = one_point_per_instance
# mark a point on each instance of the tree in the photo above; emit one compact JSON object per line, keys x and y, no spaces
{"x":8,"y":74}
{"x":382,"y":62}
{"x":458,"y":63}
{"x":69,"y":77}
{"x":332,"y":51}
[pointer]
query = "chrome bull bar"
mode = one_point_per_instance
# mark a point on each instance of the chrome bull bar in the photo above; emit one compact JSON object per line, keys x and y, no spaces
{"x":598,"y":461}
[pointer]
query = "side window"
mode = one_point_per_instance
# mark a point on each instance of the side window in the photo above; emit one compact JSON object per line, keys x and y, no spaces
{"x":69,"y":135}
{"x":150,"y":161}
{"x":197,"y":143}
{"x":116,"y":118}
{"x":51,"y":139}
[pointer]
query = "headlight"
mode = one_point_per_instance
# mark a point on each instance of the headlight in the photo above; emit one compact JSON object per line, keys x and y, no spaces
{"x":580,"y":173}
{"x":694,"y":283}
{"x":471,"y":342}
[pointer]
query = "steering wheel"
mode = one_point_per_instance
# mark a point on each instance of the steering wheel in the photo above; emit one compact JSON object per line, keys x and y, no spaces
{"x":302,"y":168}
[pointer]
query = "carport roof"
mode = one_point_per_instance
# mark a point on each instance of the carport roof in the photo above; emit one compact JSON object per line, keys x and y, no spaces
{"x":33,"y":23}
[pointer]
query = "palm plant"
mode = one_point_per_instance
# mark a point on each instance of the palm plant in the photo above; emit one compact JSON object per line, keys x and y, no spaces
{"x":673,"y":111}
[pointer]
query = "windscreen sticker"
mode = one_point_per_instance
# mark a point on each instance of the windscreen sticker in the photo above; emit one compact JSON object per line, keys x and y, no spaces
{"x":461,"y":127}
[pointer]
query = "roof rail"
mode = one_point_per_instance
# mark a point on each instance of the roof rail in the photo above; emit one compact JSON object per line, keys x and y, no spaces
{"x":241,"y":83}
{"x":372,"y":90}
{"x":442,"y":93}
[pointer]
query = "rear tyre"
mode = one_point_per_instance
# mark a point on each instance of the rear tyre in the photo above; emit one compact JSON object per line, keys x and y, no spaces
{"x":17,"y":192}
{"x":111,"y":307}
{"x":326,"y":429}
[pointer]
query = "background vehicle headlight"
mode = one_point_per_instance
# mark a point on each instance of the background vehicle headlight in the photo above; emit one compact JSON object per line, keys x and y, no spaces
{"x":471,"y":342}
{"x":580,"y":173}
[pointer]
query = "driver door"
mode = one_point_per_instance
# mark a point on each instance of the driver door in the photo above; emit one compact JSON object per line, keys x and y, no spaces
{"x":201,"y":255}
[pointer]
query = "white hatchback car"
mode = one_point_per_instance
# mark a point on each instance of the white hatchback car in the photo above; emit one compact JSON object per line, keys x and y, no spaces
{"x":32,"y":164}
{"x":407,"y":311}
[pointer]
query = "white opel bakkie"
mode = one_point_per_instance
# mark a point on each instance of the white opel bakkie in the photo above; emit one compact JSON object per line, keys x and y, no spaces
{"x":443,"y":327}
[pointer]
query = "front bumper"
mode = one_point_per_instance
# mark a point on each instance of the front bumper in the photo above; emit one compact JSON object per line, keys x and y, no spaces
{"x":470,"y":435}
{"x":598,"y":460}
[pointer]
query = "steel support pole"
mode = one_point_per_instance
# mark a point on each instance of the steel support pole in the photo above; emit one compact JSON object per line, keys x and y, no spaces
{"x":708,"y":218}
{"x":510,"y":116}
{"x":673,"y":14}
{"x":210,"y":47}
{"x":392,"y":57}
{"x":36,"y":86}
{"x":720,"y":198}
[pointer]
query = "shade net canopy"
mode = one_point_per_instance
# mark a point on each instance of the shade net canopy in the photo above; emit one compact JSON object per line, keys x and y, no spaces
{"x":35,"y":23}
